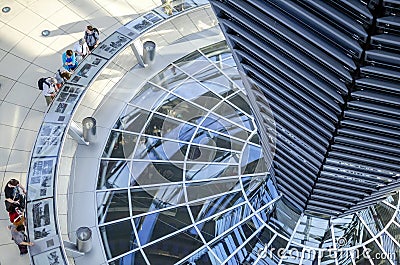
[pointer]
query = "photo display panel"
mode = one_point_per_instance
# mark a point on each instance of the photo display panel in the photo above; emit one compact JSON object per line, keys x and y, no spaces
{"x":48,"y":142}
{"x":112,"y":45}
{"x":87,"y":70}
{"x":41,"y":178}
{"x":41,"y":222}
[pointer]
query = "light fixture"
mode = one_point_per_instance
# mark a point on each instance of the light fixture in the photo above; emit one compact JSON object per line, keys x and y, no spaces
{"x":6,"y":9}
{"x":45,"y":33}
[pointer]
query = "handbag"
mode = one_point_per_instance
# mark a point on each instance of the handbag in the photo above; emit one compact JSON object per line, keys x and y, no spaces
{"x":10,"y":207}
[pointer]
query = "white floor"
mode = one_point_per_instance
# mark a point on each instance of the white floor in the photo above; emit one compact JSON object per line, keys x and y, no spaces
{"x":25,"y":56}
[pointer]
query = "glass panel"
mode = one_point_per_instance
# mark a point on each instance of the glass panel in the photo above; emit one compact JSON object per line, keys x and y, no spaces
{"x":132,"y":258}
{"x":180,"y":109}
{"x":221,"y":140}
{"x":241,"y":102}
{"x":157,"y":225}
{"x":193,"y":66}
{"x":382,"y":211}
{"x":113,"y":174}
{"x":168,"y":128}
{"x":118,"y":238}
{"x":236,"y":237}
{"x":196,"y":55}
{"x":169,"y":78}
{"x":314,"y":231}
{"x":220,"y":85}
{"x":213,"y":140}
{"x":204,"y":209}
{"x":173,"y":249}
{"x":394,"y":231}
{"x":214,"y":227}
{"x":191,"y":90}
{"x":232,"y":73}
{"x":235,"y":116}
{"x":228,"y":63}
{"x":229,"y":127}
{"x":133,"y":119}
{"x":252,"y":160}
{"x":209,"y":188}
{"x":202,"y":257}
{"x":204,"y":154}
{"x":375,"y":253}
{"x":209,"y":171}
{"x":208,"y":100}
{"x":157,"y":149}
{"x":120,"y":145}
{"x":391,"y":247}
{"x":149,"y":172}
{"x":149,"y":199}
{"x":149,"y":97}
{"x":112,"y":205}
{"x":243,"y":255}
{"x":343,"y":257}
{"x":283,"y":218}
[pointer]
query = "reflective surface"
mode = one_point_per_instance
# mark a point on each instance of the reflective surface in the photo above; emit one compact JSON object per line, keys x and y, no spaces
{"x":182,"y":180}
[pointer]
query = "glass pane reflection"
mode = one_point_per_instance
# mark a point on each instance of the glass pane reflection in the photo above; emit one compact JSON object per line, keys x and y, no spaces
{"x":206,"y":189}
{"x":173,"y":249}
{"x":112,"y":205}
{"x":150,"y":172}
{"x":169,"y":78}
{"x":201,"y":257}
{"x":113,"y":174}
{"x":120,"y":145}
{"x":149,"y":96}
{"x":149,"y":199}
{"x":157,"y":225}
{"x":118,"y":238}
{"x":133,"y":119}
{"x":186,"y":157}
{"x":208,"y":171}
{"x":132,"y":258}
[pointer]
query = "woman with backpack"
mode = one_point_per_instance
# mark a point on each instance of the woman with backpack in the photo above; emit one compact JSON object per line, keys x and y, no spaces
{"x":91,"y":37}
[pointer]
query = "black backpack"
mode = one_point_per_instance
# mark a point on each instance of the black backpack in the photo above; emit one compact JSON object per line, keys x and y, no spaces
{"x":41,"y":81}
{"x":87,"y":36}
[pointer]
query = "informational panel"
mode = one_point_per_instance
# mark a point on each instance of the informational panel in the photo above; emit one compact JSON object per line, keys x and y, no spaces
{"x":64,"y":104}
{"x":50,"y":257}
{"x":41,"y":221}
{"x":144,"y":22}
{"x":41,"y":178}
{"x":48,"y":142}
{"x":112,"y":45}
{"x":87,"y":70}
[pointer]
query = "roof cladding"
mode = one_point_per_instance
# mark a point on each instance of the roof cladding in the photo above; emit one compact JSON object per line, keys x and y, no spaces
{"x":329,"y":71}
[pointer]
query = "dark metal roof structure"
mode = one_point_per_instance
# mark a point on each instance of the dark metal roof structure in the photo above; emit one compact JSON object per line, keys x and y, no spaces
{"x":329,"y":71}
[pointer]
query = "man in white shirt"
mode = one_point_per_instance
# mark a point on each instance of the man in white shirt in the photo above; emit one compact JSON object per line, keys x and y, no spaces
{"x":81,"y":49}
{"x":50,"y":89}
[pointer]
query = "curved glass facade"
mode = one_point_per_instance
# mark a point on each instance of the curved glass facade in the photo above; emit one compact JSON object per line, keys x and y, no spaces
{"x":182,"y":180}
{"x":181,"y":164}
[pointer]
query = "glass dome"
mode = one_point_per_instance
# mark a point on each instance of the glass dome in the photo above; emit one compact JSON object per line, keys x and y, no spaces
{"x":183,"y":180}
